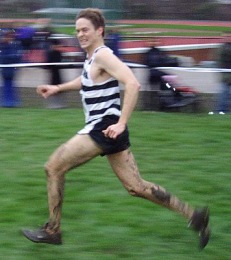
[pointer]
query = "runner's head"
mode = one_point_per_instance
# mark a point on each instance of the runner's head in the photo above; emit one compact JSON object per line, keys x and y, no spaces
{"x":95,"y":16}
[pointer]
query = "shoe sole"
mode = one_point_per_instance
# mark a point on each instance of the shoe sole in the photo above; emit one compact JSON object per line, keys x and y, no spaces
{"x":203,"y":228}
{"x":204,"y":237}
{"x":35,"y":239}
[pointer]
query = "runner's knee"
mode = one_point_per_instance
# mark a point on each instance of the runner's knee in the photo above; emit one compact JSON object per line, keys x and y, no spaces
{"x":143,"y":191}
{"x":55,"y":165}
{"x":54,"y":168}
{"x":136,"y":190}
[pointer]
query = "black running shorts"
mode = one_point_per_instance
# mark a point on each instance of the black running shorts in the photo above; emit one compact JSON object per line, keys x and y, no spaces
{"x":110,"y":145}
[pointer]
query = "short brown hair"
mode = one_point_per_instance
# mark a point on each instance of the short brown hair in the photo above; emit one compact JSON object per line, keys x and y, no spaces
{"x":95,"y":16}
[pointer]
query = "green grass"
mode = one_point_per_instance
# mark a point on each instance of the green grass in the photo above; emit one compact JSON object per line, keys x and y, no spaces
{"x":178,"y":29}
{"x":188,"y":154}
{"x":182,"y":27}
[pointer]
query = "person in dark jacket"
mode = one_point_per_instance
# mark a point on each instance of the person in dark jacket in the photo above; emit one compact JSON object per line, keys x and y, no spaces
{"x":155,"y":57}
{"x":54,"y":55}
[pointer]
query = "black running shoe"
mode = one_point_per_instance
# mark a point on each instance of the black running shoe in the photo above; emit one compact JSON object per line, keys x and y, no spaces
{"x":200,"y":223}
{"x":42,"y":236}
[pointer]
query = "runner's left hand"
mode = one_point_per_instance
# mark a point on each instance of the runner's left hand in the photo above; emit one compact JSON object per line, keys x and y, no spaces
{"x":113,"y":131}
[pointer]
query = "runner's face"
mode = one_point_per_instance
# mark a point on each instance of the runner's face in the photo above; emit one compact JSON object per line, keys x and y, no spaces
{"x":87,"y":34}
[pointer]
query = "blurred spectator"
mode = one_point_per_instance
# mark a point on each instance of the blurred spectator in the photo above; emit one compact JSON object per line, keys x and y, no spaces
{"x":25,"y":34}
{"x":42,"y":34}
{"x":54,"y":55}
{"x":157,"y":58}
{"x":113,"y":40}
{"x":224,"y":62}
{"x":10,"y":53}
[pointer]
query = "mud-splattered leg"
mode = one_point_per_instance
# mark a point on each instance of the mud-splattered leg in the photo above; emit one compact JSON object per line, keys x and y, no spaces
{"x":75,"y":152}
{"x":126,"y":169}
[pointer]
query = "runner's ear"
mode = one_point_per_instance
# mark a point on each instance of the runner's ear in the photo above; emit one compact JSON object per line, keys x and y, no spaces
{"x":101,"y":30}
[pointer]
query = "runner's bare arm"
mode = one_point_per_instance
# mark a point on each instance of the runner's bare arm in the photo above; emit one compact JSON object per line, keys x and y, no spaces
{"x":120,"y":71}
{"x":49,"y":90}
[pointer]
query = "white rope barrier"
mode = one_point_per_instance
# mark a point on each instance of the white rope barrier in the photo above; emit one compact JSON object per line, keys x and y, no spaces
{"x":62,"y":64}
{"x":44,"y":64}
{"x":130,"y":64}
{"x":192,"y":69}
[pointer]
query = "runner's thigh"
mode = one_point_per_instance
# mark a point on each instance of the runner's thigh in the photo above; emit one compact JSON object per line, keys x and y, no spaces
{"x":125,"y":167}
{"x":76,"y":151}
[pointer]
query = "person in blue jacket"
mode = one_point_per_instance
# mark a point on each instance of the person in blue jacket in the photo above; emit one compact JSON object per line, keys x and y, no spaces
{"x":10,"y":53}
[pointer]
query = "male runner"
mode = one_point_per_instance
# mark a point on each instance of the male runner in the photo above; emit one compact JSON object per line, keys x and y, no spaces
{"x":105,"y":132}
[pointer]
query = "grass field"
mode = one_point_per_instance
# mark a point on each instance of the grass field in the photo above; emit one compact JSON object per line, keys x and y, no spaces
{"x":188,"y":154}
{"x":168,"y":29}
